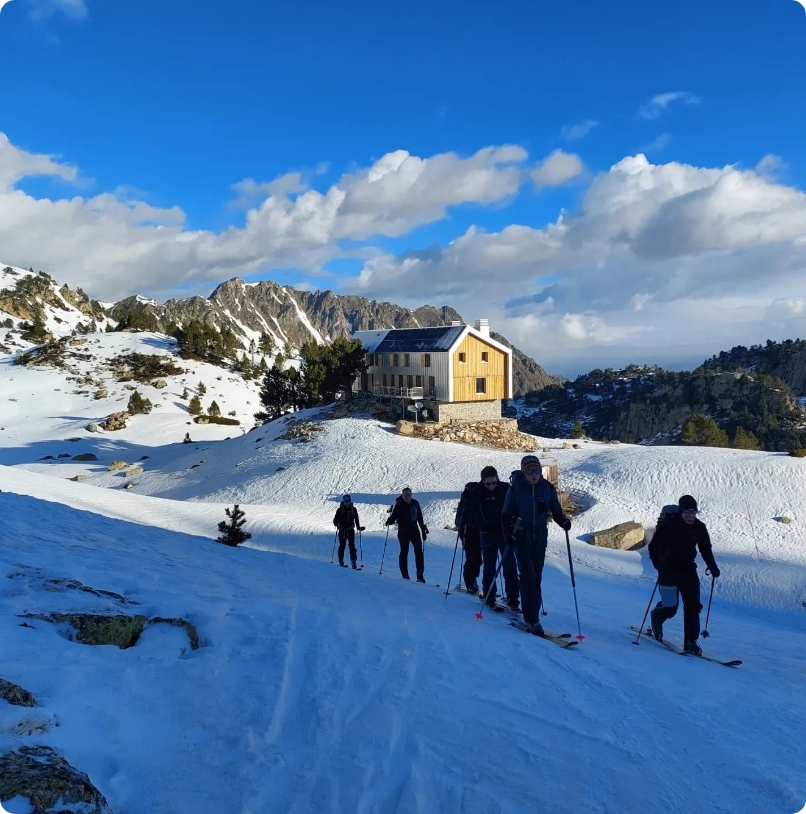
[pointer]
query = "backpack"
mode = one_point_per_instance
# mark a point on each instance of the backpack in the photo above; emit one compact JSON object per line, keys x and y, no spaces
{"x":667,"y":513}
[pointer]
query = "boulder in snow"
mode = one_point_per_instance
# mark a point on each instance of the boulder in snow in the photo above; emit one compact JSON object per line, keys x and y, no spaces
{"x":135,"y":470}
{"x":85,"y":456}
{"x":16,"y":695}
{"x":116,"y":421}
{"x":92,"y":427}
{"x":160,"y":384}
{"x":43,"y":776}
{"x":623,"y":536}
{"x":115,"y":465}
{"x":79,"y":478}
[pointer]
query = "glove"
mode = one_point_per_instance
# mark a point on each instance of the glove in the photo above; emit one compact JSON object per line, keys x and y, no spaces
{"x":335,"y":524}
{"x":425,"y":530}
{"x":362,"y":528}
{"x":715,"y":572}
{"x":566,"y":524}
{"x":425,"y":535}
{"x":389,"y":522}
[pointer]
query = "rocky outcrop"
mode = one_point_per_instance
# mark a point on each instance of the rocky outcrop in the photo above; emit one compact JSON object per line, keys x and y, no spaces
{"x":500,"y":434}
{"x":624,"y":536}
{"x":301,"y":431}
{"x":116,"y":421}
{"x":45,"y":778}
{"x":118,"y":629}
{"x":16,"y":695}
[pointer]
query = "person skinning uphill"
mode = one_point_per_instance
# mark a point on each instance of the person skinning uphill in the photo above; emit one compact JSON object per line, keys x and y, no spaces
{"x":673,"y":552}
{"x":409,"y":518}
{"x":346,"y":521}
{"x":487,"y":501}
{"x":524,"y":520}
{"x":467,"y":524}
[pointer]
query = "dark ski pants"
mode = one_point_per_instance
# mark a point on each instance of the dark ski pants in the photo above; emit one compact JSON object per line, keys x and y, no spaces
{"x":347,"y":536}
{"x":683,"y":585}
{"x":472,"y":546}
{"x":492,"y":544}
{"x":413,"y":537}
{"x":531,"y":555}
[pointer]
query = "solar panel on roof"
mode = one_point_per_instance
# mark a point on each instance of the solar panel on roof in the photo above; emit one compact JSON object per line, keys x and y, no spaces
{"x":420,"y":339}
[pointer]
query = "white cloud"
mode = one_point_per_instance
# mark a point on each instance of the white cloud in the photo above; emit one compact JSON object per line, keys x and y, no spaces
{"x":110,"y":243}
{"x":574,"y":132}
{"x":658,"y":104}
{"x":660,"y":260}
{"x":665,"y":259}
{"x":557,"y":169}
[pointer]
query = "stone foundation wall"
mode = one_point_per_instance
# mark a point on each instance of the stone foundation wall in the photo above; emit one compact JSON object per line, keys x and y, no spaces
{"x":502,"y":433}
{"x":445,"y":413}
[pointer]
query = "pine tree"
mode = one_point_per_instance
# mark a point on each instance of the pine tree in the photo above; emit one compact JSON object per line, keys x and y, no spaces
{"x":214,"y":409}
{"x":138,"y":405}
{"x":262,"y":367}
{"x":578,"y":431}
{"x":742,"y":439}
{"x":201,"y":389}
{"x":275,"y":395}
{"x":231,"y":532}
{"x":185,"y":394}
{"x":266,"y":344}
{"x":702,"y":431}
{"x":194,"y":407}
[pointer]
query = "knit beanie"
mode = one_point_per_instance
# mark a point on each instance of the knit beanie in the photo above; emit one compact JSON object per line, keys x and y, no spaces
{"x":530,"y":460}
{"x":687,"y":502}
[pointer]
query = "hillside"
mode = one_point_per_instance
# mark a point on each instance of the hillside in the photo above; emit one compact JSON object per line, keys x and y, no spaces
{"x":782,"y":360}
{"x":316,"y":688}
{"x":642,"y":404}
{"x":288,"y":316}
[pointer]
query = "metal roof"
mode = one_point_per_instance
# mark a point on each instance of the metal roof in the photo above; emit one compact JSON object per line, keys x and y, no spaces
{"x":420,"y":340}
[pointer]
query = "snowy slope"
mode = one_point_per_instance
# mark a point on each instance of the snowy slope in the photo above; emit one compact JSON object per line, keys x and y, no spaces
{"x":319,"y":689}
{"x":60,"y":319}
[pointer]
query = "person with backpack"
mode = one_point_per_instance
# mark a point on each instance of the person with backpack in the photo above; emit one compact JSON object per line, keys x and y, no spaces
{"x":467,"y":525}
{"x":524,"y":520}
{"x":346,"y":521}
{"x":410,"y":524}
{"x":488,"y":502}
{"x":673,"y":551}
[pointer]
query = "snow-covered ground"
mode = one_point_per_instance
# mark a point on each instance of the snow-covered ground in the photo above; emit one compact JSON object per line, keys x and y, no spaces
{"x":316,"y":688}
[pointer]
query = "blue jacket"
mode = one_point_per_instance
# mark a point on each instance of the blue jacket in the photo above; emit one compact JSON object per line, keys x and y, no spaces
{"x":532,"y":504}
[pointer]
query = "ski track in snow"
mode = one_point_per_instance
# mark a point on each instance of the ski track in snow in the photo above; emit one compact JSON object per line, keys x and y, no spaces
{"x":319,"y":689}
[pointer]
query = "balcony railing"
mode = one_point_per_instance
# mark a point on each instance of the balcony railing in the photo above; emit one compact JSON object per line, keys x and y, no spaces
{"x":403,"y":392}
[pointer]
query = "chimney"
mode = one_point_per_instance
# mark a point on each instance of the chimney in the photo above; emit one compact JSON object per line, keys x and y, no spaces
{"x":456,"y":322}
{"x":483,"y":326}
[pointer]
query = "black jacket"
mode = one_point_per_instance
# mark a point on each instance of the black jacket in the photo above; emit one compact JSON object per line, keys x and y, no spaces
{"x":466,"y":512}
{"x":488,"y":505}
{"x":408,"y":517}
{"x":346,"y":517}
{"x":674,"y":546}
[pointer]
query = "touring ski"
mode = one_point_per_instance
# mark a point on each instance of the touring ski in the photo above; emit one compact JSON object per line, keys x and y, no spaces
{"x":679,"y":650}
{"x":562,"y":639}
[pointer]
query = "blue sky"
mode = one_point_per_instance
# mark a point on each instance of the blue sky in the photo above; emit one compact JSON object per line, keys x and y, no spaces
{"x":170,"y":104}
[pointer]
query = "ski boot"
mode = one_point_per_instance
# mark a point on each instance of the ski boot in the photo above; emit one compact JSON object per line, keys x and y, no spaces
{"x":657,"y":625}
{"x":690,"y":646}
{"x":513,"y":605}
{"x":354,"y":563}
{"x":341,"y":561}
{"x":420,"y":578}
{"x":535,"y":627}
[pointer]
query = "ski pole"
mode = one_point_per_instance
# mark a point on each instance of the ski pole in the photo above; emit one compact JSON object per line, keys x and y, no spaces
{"x":332,"y":553}
{"x":360,"y":546}
{"x":705,"y":634}
{"x":580,"y":637}
{"x":450,"y":576}
{"x":543,"y":607}
{"x":479,"y":614}
{"x":462,"y":560}
{"x":643,"y":621}
{"x":384,"y":549}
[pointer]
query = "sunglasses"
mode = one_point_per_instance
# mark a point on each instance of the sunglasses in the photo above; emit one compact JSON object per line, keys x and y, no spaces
{"x":690,"y":511}
{"x":532,"y":470}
